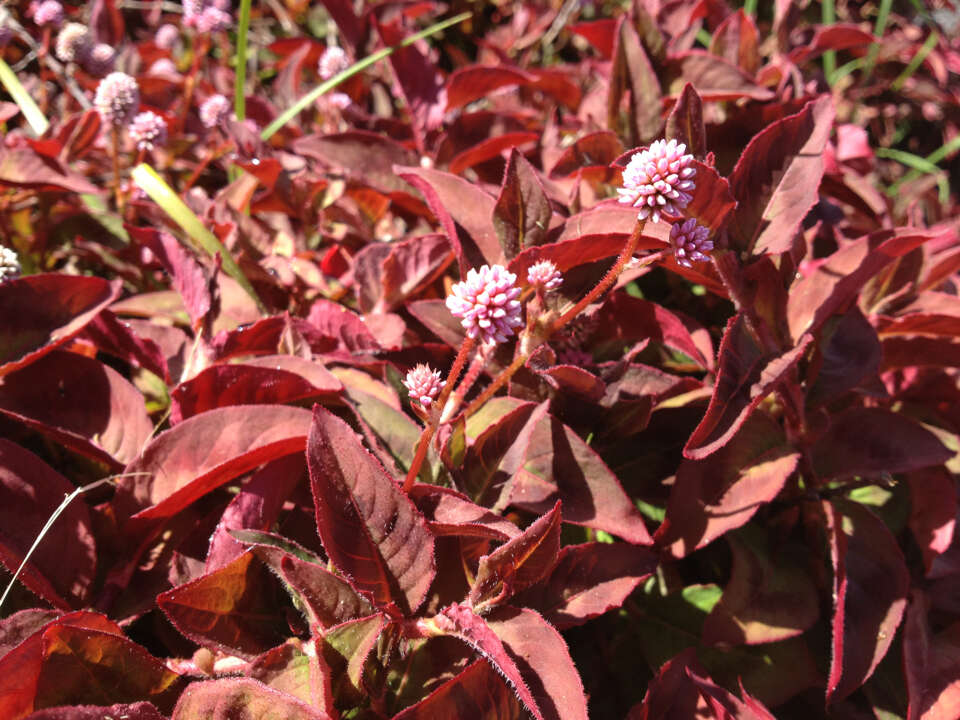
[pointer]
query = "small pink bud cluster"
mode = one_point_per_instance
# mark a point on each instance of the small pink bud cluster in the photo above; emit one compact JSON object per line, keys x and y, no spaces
{"x":214,"y":111}
{"x":690,"y":242}
{"x":423,"y":384}
{"x":207,"y":16}
{"x":166,"y":36}
{"x":9,"y":264}
{"x":117,"y":99}
{"x":657,"y":180}
{"x":100,"y":60}
{"x":486,"y":303}
{"x":47,"y":12}
{"x":333,"y":62}
{"x":544,"y":276}
{"x":74,"y":42}
{"x":148,"y":131}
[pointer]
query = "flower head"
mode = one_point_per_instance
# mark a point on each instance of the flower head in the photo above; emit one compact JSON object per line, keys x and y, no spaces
{"x":544,"y":276}
{"x":100,"y":60}
{"x":657,"y":180}
{"x":423,"y":384}
{"x":333,"y":61}
{"x":167,"y":36}
{"x":48,"y":12}
{"x":9,"y":264}
{"x":690,"y":242}
{"x":163,"y":66}
{"x":117,"y":99}
{"x":206,"y":16}
{"x":214,"y":111}
{"x":148,"y":130}
{"x":486,"y":303}
{"x":73,"y":42}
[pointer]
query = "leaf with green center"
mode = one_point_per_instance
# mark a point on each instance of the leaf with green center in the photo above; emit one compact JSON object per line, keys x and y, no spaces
{"x":236,"y":698}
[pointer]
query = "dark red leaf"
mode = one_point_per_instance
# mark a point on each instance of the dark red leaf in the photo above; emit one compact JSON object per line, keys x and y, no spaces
{"x":477,"y":81}
{"x":930,"y":664}
{"x":370,"y":529}
{"x":232,"y":608}
{"x":477,"y":693}
{"x":116,"y":337}
{"x":848,"y":354}
{"x":132,"y":711}
{"x":450,"y":513}
{"x":237,"y":698}
{"x":368,"y":157}
{"x":385,"y":275}
{"x":870,"y":585}
{"x":685,"y":123}
{"x":41,"y":312}
{"x":80,"y":402}
{"x":588,"y":580}
{"x":522,"y":214}
{"x":345,"y":327}
{"x":722,"y":492}
{"x":599,"y":33}
{"x":330,"y":599}
{"x":745,"y":376}
{"x":265,"y":337}
{"x":16,"y":628}
{"x":518,"y":563}
{"x":352,"y":26}
{"x":735,"y":40}
{"x":62,"y":567}
{"x":24,"y":167}
{"x":632,"y":71}
{"x":866,"y":441}
{"x":835,"y":284}
{"x":541,"y":653}
{"x":345,"y":649}
{"x":714,"y":78}
{"x":776,"y":179}
{"x":933,"y":511}
{"x":205,"y":451}
{"x":769,"y":596}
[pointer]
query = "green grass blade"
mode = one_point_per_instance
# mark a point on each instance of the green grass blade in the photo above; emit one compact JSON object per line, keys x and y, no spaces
{"x":909,"y":159}
{"x":829,"y":16}
{"x":240,"y":77}
{"x":164,"y":196}
{"x":924,"y":166}
{"x":879,"y":28}
{"x":911,"y":68}
{"x":750,"y":7}
{"x":311,"y":97}
{"x":38,"y":123}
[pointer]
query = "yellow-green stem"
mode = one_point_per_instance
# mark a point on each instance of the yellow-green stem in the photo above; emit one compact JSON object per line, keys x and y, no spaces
{"x":115,"y":150}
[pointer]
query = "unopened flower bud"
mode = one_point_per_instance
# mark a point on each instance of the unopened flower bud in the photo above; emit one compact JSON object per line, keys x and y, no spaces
{"x":423,"y":384}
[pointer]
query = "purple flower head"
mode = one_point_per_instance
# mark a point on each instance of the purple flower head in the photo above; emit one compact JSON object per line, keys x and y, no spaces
{"x":544,"y":276}
{"x":690,"y":242}
{"x":214,"y":111}
{"x":333,"y":61}
{"x":117,"y":99}
{"x":48,"y":12}
{"x":338,"y":100}
{"x":100,"y":60}
{"x":423,"y":384}
{"x":9,"y":264}
{"x":167,"y":36}
{"x":148,"y":130}
{"x":206,"y":16}
{"x":657,"y":180}
{"x":73,"y":42}
{"x":486,"y":303}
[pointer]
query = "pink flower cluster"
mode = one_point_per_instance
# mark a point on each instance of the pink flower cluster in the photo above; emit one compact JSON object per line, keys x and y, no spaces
{"x":117,"y":99}
{"x":544,"y":276}
{"x":486,"y":303}
{"x":423,"y":384}
{"x":658,"y":180}
{"x":47,"y":12}
{"x":207,"y":15}
{"x":333,"y":62}
{"x":148,"y":131}
{"x":214,"y":111}
{"x":690,"y":242}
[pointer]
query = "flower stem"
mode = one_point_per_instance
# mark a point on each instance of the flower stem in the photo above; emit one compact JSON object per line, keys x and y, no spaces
{"x":473,"y":372}
{"x":115,"y":151}
{"x":431,"y":427}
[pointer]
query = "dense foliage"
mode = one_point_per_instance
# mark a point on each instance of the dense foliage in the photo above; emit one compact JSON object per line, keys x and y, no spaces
{"x":389,"y":405}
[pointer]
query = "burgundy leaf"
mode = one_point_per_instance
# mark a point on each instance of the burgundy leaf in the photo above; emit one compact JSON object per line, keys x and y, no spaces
{"x":205,"y":451}
{"x":685,"y":122}
{"x":587,"y":581}
{"x":722,"y":492}
{"x":118,"y":338}
{"x":366,"y":156}
{"x":848,"y":353}
{"x":933,"y":511}
{"x":16,"y":628}
{"x":768,"y":598}
{"x":41,"y":312}
{"x":544,"y":661}
{"x":236,"y":698}
{"x":329,"y":598}
{"x":835,"y":284}
{"x":519,"y":563}
{"x":132,"y":711}
{"x":713,"y":78}
{"x":80,"y":402}
{"x":352,"y":26}
{"x":735,"y":40}
{"x":870,"y":586}
{"x":931,"y":664}
{"x":264,"y":337}
{"x":106,"y":22}
{"x":866,"y":441}
{"x":917,"y":350}
{"x":292,"y":669}
{"x":371,"y":530}
{"x":345,"y":327}
{"x":464,"y":211}
{"x":632,"y":70}
{"x":597,"y":149}
{"x":386,"y":274}
{"x":491,"y":148}
{"x":24,"y":167}
{"x":600,"y":34}
{"x":62,"y":567}
{"x":345,"y":649}
{"x":451,"y":513}
{"x":477,"y":693}
{"x":776,"y":179}
{"x":477,"y":81}
{"x":232,"y":608}
{"x":522,"y":214}
{"x":745,"y":376}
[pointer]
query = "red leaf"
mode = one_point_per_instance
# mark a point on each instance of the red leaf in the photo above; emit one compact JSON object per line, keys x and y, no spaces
{"x":477,"y":81}
{"x":62,"y":567}
{"x":685,"y":123}
{"x":456,"y":201}
{"x":80,"y":402}
{"x":26,"y":168}
{"x":264,"y":337}
{"x":387,"y":274}
{"x":477,"y":693}
{"x":631,"y":70}
{"x":848,"y":353}
{"x":870,"y":586}
{"x":930,"y":664}
{"x":547,"y":667}
{"x":116,"y":337}
{"x":352,"y":26}
{"x":205,"y":451}
{"x":866,"y":441}
{"x":345,"y":327}
{"x":451,"y":513}
{"x":270,"y":380}
{"x":745,"y":376}
{"x":769,"y":596}
{"x":712,"y":496}
{"x":933,"y":510}
{"x":365,"y":156}
{"x":522,"y":214}
{"x":776,"y":179}
{"x":330,"y":599}
{"x":345,"y":649}
{"x":599,"y":33}
{"x":232,"y":608}
{"x":106,"y":22}
{"x":132,"y":711}
{"x":16,"y":628}
{"x":587,"y":581}
{"x":735,"y":40}
{"x":518,"y":563}
{"x":234,"y":698}
{"x":371,"y":530}
{"x":714,"y":78}
{"x":41,"y":312}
